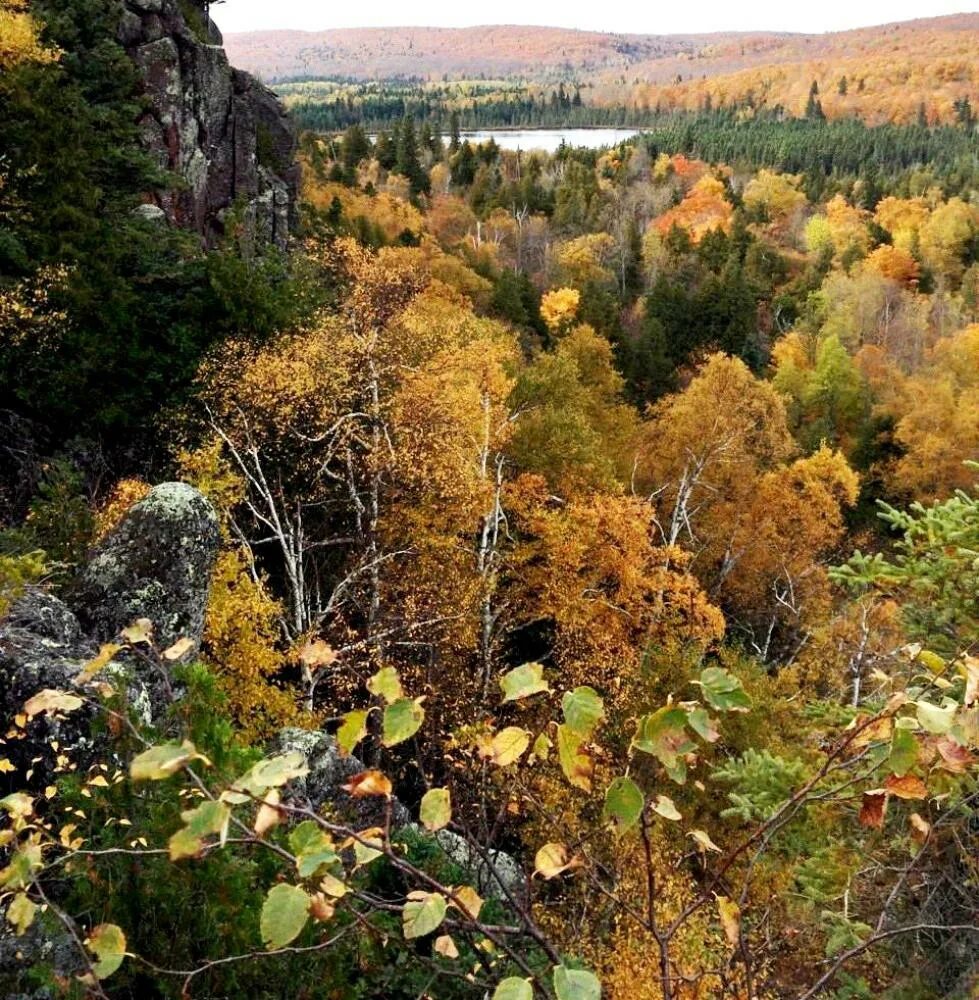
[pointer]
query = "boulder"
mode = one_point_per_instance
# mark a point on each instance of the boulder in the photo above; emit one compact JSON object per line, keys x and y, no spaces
{"x":495,"y":876}
{"x":157,"y":564}
{"x":329,"y":771}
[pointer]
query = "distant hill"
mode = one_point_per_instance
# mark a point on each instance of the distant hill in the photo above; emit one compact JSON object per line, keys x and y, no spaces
{"x":892,"y":72}
{"x":490,"y":51}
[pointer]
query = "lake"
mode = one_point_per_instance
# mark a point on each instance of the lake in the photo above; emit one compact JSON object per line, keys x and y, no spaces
{"x":549,"y":139}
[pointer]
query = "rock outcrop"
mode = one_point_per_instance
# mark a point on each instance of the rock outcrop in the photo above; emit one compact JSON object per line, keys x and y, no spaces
{"x":224,"y":135}
{"x":157,"y":564}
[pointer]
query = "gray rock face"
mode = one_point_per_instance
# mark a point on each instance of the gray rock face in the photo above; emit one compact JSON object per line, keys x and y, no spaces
{"x":156,"y":565}
{"x":494,"y":876}
{"x":328,"y":773}
{"x":225,"y":135}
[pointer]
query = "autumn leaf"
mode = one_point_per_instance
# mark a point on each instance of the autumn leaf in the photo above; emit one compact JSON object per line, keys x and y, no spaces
{"x":575,"y":763}
{"x":506,"y":747}
{"x":663,"y":806}
{"x":162,"y":761}
{"x":108,"y":944}
{"x":730,"y":914}
{"x":20,"y":913}
{"x":445,"y":946}
{"x":139,"y":632}
{"x":368,"y":783}
{"x":268,"y":816}
{"x":402,"y":719}
{"x":906,"y":787}
{"x":435,"y":811}
{"x":50,"y":702}
{"x":422,"y":913}
{"x":284,"y":915}
{"x":873,"y":808}
{"x":551,"y":860}
{"x":703,"y":841}
{"x":467,"y":901}
{"x":623,"y":804}
{"x":385,"y":684}
{"x":583,"y":710}
{"x":317,"y":654}
{"x":523,"y":681}
{"x":179,"y":649}
{"x":955,"y":759}
{"x":320,"y":908}
{"x":920,"y":828}
{"x":352,"y":730}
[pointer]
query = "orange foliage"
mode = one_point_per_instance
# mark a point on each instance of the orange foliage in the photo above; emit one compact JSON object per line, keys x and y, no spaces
{"x":705,"y":208}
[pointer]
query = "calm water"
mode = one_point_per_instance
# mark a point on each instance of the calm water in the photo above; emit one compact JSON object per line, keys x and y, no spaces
{"x":549,"y":139}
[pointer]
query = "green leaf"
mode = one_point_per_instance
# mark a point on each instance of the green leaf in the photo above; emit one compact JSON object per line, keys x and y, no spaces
{"x":402,"y":719}
{"x":576,"y":984}
{"x":436,"y":809}
{"x":663,"y":734}
{"x":577,"y":766}
{"x":904,"y":750}
{"x":703,"y":725}
{"x":313,"y":848}
{"x":284,"y":915}
{"x":271,"y":772}
{"x":108,"y":944}
{"x":583,"y":709}
{"x":387,"y":685}
{"x":523,"y":681}
{"x":352,"y":730}
{"x":934,"y":719}
{"x":422,"y":914}
{"x":207,"y":818}
{"x":664,"y":806}
{"x":623,"y":804}
{"x":162,"y":761}
{"x":723,"y":690}
{"x":514,"y":989}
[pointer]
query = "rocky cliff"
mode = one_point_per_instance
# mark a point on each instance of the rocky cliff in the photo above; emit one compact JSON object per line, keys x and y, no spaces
{"x":223,"y":134}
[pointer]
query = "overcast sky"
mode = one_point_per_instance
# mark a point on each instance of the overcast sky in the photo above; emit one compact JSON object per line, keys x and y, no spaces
{"x":654,"y":17}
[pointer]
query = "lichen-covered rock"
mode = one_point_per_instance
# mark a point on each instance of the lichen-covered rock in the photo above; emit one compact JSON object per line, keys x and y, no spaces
{"x":225,"y":135}
{"x":42,"y":647}
{"x":495,"y":876}
{"x":157,"y":564}
{"x":329,"y":771}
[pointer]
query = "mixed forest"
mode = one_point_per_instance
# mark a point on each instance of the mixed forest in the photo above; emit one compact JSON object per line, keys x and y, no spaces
{"x":616,"y":509}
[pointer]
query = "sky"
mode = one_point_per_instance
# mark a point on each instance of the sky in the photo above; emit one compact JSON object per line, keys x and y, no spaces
{"x":626,"y":15}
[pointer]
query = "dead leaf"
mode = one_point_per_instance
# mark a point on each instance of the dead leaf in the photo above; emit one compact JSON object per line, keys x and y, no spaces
{"x":446,"y":947}
{"x":920,"y":828}
{"x":873,"y":808}
{"x":368,"y":783}
{"x":730,"y":914}
{"x":317,"y":654}
{"x":704,"y":841}
{"x":179,"y":649}
{"x":906,"y":787}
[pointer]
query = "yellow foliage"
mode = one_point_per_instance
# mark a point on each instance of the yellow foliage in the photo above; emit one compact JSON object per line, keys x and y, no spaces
{"x":584,"y":259}
{"x":20,"y":37}
{"x":558,"y":308}
{"x":240,"y":641}
{"x":939,"y":420}
{"x":125,"y":494}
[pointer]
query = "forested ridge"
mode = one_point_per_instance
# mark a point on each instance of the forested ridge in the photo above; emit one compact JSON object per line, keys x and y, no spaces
{"x":553,"y":576}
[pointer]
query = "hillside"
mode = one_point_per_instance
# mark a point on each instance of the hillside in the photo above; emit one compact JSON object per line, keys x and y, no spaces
{"x":890,"y":70}
{"x":493,"y":51}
